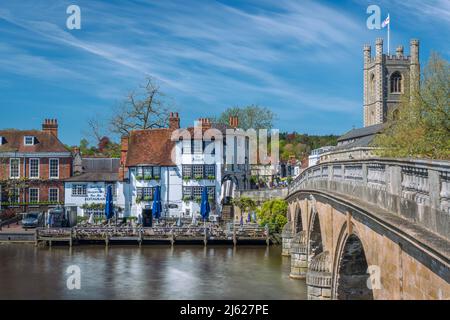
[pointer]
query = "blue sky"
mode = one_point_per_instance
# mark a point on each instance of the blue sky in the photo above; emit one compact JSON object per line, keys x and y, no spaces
{"x":302,"y":59}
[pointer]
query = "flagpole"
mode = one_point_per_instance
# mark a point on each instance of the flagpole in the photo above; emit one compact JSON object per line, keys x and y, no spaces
{"x":389,"y":31}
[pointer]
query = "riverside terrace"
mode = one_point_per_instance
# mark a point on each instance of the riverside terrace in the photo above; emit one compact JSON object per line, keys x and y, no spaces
{"x":130,"y":233}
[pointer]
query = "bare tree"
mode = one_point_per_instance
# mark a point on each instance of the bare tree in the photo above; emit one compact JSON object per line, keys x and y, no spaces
{"x":146,"y":108}
{"x":96,"y":129}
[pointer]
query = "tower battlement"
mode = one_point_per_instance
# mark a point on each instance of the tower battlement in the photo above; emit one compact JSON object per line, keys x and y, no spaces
{"x":387,"y":78}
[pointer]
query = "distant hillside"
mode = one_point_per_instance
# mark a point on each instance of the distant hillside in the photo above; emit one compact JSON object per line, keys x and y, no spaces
{"x":301,"y":145}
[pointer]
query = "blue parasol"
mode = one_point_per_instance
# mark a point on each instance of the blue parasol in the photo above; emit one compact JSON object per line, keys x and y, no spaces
{"x":156,"y":207}
{"x":204,"y":206}
{"x":109,"y":207}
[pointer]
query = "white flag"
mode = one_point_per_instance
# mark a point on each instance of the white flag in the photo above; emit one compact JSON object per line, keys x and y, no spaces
{"x":385,"y":22}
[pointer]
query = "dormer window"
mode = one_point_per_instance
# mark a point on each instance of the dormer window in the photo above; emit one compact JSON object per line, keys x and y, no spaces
{"x":28,"y":140}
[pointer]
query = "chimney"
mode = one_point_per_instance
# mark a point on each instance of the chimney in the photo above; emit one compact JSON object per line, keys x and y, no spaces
{"x":77,"y":162}
{"x":50,"y":126}
{"x":174,"y":121}
{"x":123,"y":149}
{"x":123,"y":157}
{"x":204,"y":123}
{"x":234,"y":121}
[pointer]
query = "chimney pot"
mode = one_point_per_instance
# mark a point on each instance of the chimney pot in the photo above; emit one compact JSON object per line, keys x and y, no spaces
{"x":50,"y":126}
{"x":174,"y":121}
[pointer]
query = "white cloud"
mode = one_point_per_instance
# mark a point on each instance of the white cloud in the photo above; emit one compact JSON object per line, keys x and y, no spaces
{"x":213,"y":52}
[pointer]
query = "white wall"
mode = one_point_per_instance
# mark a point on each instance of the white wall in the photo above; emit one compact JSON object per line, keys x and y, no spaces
{"x":95,"y":193}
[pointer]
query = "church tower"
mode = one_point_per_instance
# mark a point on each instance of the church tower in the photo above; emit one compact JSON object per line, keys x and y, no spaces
{"x":386,"y":79}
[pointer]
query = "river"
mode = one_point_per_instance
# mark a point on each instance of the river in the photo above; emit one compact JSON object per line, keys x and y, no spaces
{"x":150,"y":272}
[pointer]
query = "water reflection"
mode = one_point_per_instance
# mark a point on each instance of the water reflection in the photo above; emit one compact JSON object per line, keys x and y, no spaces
{"x":149,"y":272}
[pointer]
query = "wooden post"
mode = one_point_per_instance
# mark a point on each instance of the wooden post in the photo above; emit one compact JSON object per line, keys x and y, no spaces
{"x":205,"y":240}
{"x":36,"y":237}
{"x":140,"y":237}
{"x":267,"y":234}
{"x":172,"y":237}
{"x":107,"y":238}
{"x":70,"y":241}
{"x":234,"y":234}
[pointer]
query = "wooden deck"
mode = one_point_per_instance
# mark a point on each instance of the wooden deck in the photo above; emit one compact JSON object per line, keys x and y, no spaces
{"x":138,"y":235}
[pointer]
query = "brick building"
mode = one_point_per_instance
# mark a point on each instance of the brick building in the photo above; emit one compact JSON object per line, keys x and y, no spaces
{"x":181,"y":162}
{"x":33,"y":167}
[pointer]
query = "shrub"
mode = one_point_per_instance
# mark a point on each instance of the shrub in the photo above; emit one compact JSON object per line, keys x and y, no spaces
{"x":273,"y":213}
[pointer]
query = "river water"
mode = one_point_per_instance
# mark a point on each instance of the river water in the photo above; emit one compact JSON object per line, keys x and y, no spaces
{"x":150,"y":272}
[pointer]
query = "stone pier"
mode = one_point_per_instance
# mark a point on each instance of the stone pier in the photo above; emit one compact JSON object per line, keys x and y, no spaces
{"x":299,"y":255}
{"x":287,"y":236}
{"x":318,"y":278}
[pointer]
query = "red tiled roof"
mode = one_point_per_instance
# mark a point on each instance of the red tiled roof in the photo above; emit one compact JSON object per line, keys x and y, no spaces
{"x":154,"y":146}
{"x":13,"y":141}
{"x":150,"y":147}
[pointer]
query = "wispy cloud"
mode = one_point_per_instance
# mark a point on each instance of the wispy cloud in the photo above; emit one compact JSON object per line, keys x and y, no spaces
{"x":293,"y":56}
{"x":225,"y":42}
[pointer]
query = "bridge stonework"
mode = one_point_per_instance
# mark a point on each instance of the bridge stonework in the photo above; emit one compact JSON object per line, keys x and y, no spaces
{"x":350,"y":247}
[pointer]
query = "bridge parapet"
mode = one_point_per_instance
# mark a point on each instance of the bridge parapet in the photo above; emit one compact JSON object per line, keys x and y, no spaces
{"x":418,"y":190}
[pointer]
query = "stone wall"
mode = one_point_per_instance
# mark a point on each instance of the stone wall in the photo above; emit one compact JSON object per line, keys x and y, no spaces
{"x":358,"y":251}
{"x":262,"y":195}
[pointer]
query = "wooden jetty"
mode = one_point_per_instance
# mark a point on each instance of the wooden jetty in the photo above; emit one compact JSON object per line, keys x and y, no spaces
{"x":159,"y":234}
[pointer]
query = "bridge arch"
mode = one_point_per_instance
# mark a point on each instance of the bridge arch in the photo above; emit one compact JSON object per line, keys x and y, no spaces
{"x":298,"y":221}
{"x":316,"y":244}
{"x":351,"y":278}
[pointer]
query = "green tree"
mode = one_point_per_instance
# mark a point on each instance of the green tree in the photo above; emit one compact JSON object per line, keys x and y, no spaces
{"x":245,"y":204}
{"x":300,"y":145}
{"x":420,"y":127}
{"x":252,"y":116}
{"x":273,"y":213}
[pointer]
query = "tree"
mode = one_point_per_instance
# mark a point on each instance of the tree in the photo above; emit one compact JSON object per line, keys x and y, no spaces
{"x":245,"y":204}
{"x":105,"y":148}
{"x":300,"y":145}
{"x":146,"y":108}
{"x":273,"y":213}
{"x":252,"y":116}
{"x":96,"y":130}
{"x":421,"y":125}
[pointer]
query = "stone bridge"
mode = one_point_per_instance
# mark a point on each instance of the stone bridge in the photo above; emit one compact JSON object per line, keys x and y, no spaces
{"x":371,"y":229}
